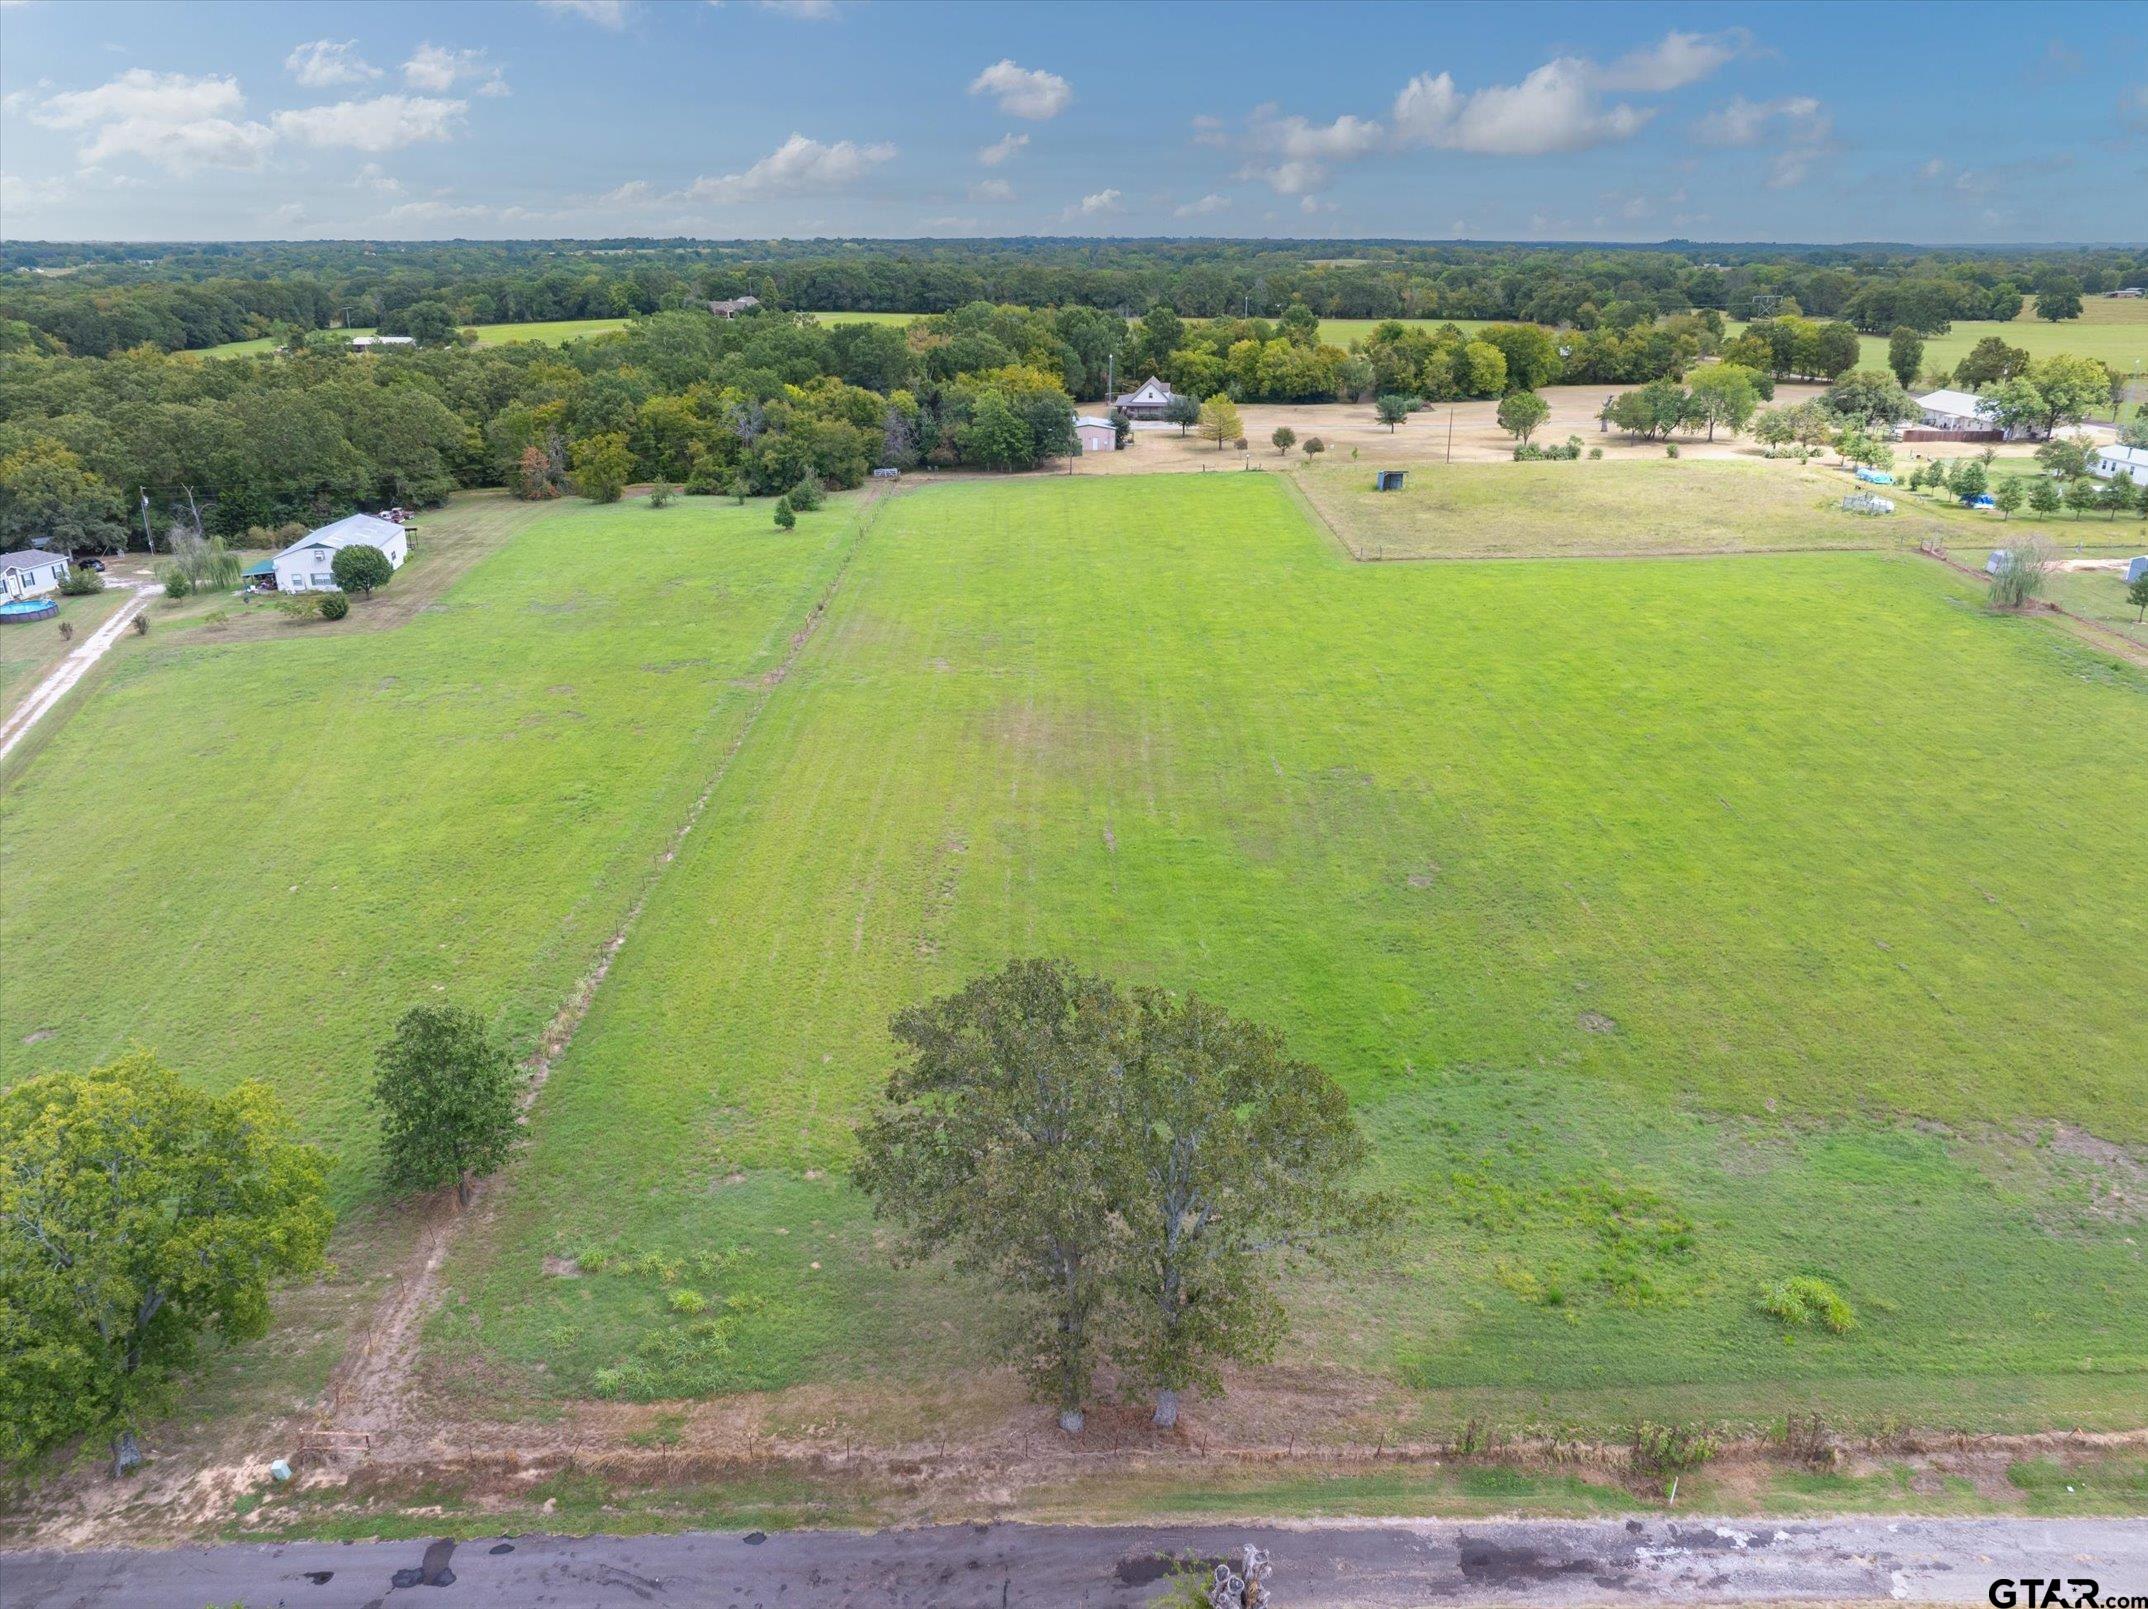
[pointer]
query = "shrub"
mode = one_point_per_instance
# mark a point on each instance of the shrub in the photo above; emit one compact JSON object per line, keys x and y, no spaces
{"x":299,"y":605}
{"x":1314,"y":447}
{"x":785,"y":519}
{"x":1806,"y":1300}
{"x":216,"y":620}
{"x":1596,"y":452}
{"x":334,"y":606}
{"x":81,"y":582}
{"x":2020,"y":576}
{"x":1671,"y":450}
{"x":176,"y":585}
{"x":687,"y":1301}
{"x":807,"y":495}
{"x":360,"y":568}
{"x":1239,"y":443}
{"x":1671,"y":1449}
{"x":660,"y":494}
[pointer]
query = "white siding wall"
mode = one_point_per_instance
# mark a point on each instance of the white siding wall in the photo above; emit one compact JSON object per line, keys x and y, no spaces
{"x":36,"y":581}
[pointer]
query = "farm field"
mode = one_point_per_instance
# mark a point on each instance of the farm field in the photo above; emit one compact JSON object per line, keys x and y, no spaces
{"x":1649,"y":912}
{"x":554,"y":331}
{"x":1649,"y":505}
{"x":460,"y":807}
{"x":2114,"y":331}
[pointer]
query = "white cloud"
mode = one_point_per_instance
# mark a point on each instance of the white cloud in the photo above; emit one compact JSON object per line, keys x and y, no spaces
{"x":175,"y":120}
{"x":1555,"y":108}
{"x":1676,"y":60}
{"x":633,"y":193}
{"x":325,"y":63}
{"x":1797,"y":125}
{"x":797,"y":166}
{"x":372,"y":176}
{"x":384,"y":123}
{"x":1096,"y":204}
{"x":1024,"y":91}
{"x":604,"y":13}
{"x":803,"y":10}
{"x":438,"y":69}
{"x":1001,"y":149}
{"x":1201,"y":208}
{"x":1305,"y":148}
{"x":992,"y":190}
{"x":445,"y":212}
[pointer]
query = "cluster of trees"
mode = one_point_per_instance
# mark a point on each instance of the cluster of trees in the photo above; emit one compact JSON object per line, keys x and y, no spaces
{"x":1721,"y":395}
{"x":1130,"y":1167}
{"x":102,"y":299}
{"x":232,"y":446}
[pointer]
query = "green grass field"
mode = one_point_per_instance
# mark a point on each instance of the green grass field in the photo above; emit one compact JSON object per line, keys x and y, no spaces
{"x":2114,"y":331}
{"x":29,"y":650}
{"x":1657,"y":506}
{"x":252,"y":855}
{"x":1677,"y":927}
{"x":555,"y":332}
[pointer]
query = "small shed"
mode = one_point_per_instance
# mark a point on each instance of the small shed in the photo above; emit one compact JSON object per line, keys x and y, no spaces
{"x":2137,"y":569}
{"x":887,"y":472}
{"x":1096,"y":433}
{"x":1388,"y":480}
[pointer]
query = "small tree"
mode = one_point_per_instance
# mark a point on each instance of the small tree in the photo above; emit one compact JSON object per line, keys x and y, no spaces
{"x":660,"y":494}
{"x":1969,"y":480}
{"x":1183,"y":410}
{"x":334,"y":606}
{"x":1905,"y":353}
{"x":1391,"y":408}
{"x":81,"y":581}
{"x":2083,"y":497}
{"x":1219,"y":421}
{"x":360,"y":568}
{"x":2137,"y":595}
{"x":533,"y":475}
{"x":449,"y":1096}
{"x":1314,"y":446}
{"x":807,"y":495}
{"x":2009,"y":495}
{"x":1284,"y":438}
{"x":739,"y":490}
{"x":2044,"y":496}
{"x":1520,"y":412}
{"x":2019,"y":575}
{"x":138,"y":1217}
{"x":602,"y":464}
{"x":785,"y":519}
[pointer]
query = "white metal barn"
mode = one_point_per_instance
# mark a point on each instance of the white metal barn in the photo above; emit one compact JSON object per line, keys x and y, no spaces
{"x":307,"y":565}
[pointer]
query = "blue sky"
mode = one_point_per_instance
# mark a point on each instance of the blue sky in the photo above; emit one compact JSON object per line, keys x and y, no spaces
{"x":1946,"y":123}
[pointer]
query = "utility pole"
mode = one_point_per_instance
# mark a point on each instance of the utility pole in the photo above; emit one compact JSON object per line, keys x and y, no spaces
{"x":148,"y":540}
{"x":1450,"y":432}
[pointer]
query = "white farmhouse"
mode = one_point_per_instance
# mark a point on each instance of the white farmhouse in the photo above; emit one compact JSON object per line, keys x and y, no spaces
{"x":308,"y":565}
{"x":1097,"y":435}
{"x":32,"y":572}
{"x":2131,"y":462}
{"x":1146,"y":401}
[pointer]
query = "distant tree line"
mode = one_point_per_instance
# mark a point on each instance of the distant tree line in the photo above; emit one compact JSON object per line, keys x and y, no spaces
{"x":98,"y":299}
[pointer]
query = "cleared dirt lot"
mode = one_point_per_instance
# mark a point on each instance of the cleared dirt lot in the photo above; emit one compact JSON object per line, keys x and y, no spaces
{"x":1349,"y":427}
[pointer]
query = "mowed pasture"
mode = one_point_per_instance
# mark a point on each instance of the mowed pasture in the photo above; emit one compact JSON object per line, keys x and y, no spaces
{"x":552,"y":332}
{"x":1678,"y":927}
{"x":1654,"y":506}
{"x":251,"y":856}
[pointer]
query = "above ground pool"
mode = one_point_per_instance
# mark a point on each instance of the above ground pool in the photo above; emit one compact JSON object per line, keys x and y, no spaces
{"x":29,"y":609}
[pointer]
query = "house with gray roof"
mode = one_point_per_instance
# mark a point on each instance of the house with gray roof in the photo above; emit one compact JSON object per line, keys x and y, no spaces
{"x":308,"y":565}
{"x":32,"y":572}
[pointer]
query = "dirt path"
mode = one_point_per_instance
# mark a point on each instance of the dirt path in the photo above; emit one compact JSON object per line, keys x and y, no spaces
{"x":369,"y":1402}
{"x":1348,"y":1565}
{"x":68,"y":672}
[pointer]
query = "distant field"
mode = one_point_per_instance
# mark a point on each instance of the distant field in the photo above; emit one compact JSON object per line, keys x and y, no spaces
{"x":1640,"y":907}
{"x":868,"y":318}
{"x":1646,"y":506}
{"x":554,"y":331}
{"x":458,"y":807}
{"x":2114,"y":331}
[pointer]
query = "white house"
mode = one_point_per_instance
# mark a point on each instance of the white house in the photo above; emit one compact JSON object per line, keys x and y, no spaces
{"x":32,"y":572}
{"x":1097,"y":435}
{"x":1960,"y":411}
{"x":365,"y":343}
{"x":1145,"y":401}
{"x":2131,"y":462}
{"x":307,"y":565}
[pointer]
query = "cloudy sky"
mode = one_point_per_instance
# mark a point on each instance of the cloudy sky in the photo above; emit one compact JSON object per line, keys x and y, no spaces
{"x":755,"y":118}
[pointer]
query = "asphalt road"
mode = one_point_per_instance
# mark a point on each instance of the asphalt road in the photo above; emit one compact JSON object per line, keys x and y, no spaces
{"x":1413,"y":1563}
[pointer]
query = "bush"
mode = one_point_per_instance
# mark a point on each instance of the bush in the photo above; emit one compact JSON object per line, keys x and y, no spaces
{"x":81,"y":582}
{"x":1671,"y":451}
{"x":2020,"y":576}
{"x":334,"y":606}
{"x":1529,"y":452}
{"x":176,"y":585}
{"x":785,"y":519}
{"x":1806,"y":1300}
{"x":1595,"y":453}
{"x":299,"y":605}
{"x":660,"y":494}
{"x":807,"y":495}
{"x":360,"y":568}
{"x":1314,"y":447}
{"x":1670,"y":1449}
{"x":1239,"y":443}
